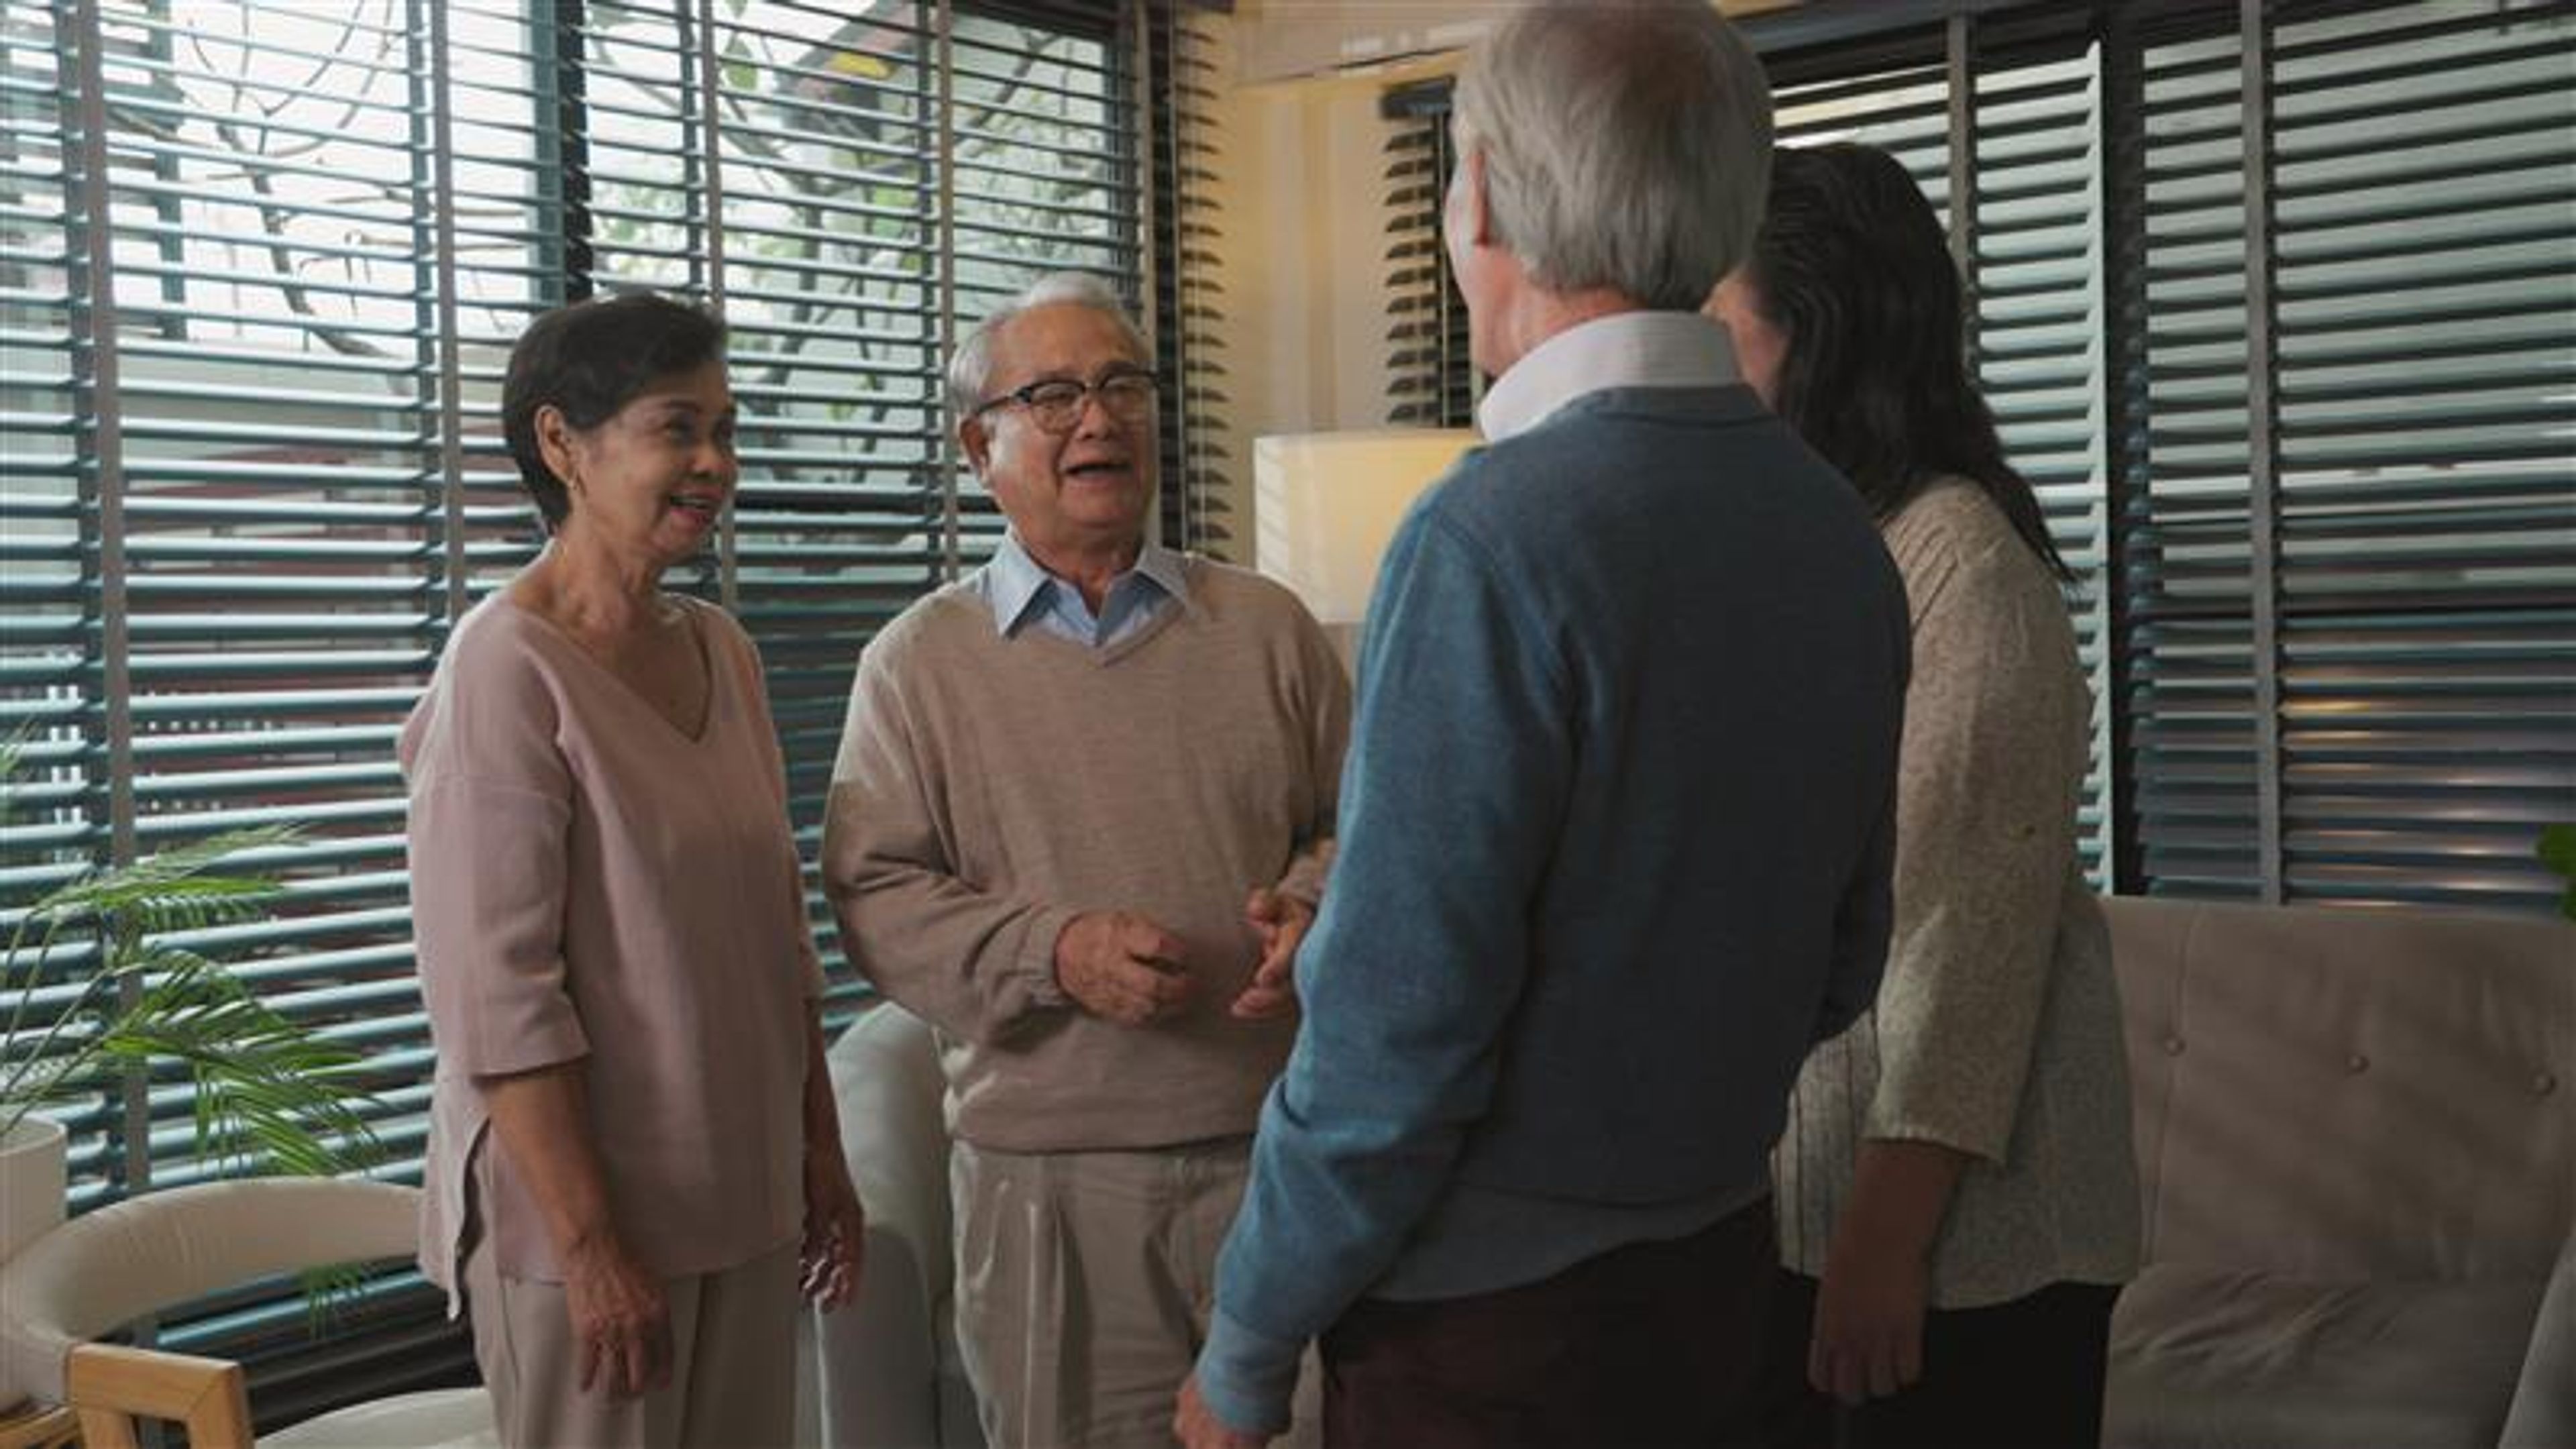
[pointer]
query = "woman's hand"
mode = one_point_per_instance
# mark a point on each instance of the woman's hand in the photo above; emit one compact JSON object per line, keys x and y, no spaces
{"x":1868,"y":1339}
{"x":619,"y":1317}
{"x":835,"y":1229}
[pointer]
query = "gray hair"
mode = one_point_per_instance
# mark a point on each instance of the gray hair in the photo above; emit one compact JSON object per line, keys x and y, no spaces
{"x":970,"y":370}
{"x":1625,"y":146}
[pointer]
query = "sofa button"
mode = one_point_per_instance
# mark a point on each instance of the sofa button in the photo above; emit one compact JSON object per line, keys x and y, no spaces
{"x":2356,"y":1064}
{"x":2173,"y":1046}
{"x":2543,"y":1084}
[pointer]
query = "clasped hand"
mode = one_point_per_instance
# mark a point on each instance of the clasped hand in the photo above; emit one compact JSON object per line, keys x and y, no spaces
{"x":1129,"y":969}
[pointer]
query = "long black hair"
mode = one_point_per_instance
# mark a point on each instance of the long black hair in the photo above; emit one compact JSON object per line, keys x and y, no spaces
{"x":1852,"y":267}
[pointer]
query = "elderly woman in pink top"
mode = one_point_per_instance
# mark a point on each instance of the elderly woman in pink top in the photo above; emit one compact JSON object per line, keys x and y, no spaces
{"x":634,"y":1162}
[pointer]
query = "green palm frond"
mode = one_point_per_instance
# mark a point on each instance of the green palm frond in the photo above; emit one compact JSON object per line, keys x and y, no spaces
{"x":329,"y":1289}
{"x":268,"y":1093}
{"x":176,"y":890}
{"x":2557,"y":850}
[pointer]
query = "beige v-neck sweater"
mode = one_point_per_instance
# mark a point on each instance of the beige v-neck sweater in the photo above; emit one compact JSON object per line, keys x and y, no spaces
{"x":990,"y":788}
{"x":592,"y":884}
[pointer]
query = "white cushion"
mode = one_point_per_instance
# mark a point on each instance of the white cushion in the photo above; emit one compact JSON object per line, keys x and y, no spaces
{"x":146,"y":1253}
{"x":436,"y":1419}
{"x":888,"y":1366}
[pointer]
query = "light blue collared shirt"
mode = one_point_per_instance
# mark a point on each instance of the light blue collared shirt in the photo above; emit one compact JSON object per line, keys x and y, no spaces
{"x":1021,"y":593}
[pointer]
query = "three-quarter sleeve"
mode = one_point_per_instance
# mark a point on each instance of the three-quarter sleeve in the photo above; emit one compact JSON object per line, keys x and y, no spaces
{"x":490,"y":808}
{"x":1993,"y":759}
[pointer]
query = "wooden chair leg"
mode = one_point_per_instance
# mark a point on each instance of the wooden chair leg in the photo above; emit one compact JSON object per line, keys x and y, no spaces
{"x":106,"y":1429}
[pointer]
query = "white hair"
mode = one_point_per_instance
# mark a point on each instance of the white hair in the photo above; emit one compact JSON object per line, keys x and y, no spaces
{"x":970,"y":370}
{"x":1625,"y":146}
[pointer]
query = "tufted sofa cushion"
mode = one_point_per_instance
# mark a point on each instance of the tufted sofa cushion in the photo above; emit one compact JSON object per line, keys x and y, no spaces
{"x":2358,"y":1162}
{"x":2338,"y":1094}
{"x":2216,"y":1357}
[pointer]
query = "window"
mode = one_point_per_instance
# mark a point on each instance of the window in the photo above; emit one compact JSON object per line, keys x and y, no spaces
{"x":260,"y":265}
{"x":2348,"y":532}
{"x":2324,"y":508}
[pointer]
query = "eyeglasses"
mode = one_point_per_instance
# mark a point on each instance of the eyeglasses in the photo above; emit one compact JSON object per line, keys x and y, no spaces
{"x":1056,"y":403}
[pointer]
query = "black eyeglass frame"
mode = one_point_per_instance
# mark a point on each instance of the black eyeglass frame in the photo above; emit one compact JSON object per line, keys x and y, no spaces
{"x":1027,"y":396}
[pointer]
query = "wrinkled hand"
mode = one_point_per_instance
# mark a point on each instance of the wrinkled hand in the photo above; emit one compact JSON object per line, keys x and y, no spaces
{"x":620,"y":1319}
{"x":1197,"y":1426}
{"x":1868,"y":1340}
{"x":1282,"y":921}
{"x":828,"y":1264}
{"x":1119,"y":965}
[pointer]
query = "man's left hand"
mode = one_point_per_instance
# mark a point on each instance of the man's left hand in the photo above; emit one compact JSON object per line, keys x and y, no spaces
{"x":1197,"y":1426}
{"x":1282,"y":921}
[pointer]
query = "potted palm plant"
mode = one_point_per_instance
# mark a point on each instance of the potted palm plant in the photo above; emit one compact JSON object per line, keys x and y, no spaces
{"x":93,"y":988}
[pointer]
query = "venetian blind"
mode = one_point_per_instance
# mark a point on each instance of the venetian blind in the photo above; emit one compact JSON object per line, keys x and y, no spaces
{"x":260,"y":265}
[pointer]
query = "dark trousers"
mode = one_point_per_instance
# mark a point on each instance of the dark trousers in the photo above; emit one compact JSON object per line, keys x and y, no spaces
{"x":2023,"y":1373}
{"x":1648,"y":1345}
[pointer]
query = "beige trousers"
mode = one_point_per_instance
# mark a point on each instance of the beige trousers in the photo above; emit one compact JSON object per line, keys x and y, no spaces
{"x":1084,"y":1285}
{"x":733,"y":1362}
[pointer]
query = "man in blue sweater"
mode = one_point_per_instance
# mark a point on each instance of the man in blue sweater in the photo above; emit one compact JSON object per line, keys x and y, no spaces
{"x":1615,"y":826}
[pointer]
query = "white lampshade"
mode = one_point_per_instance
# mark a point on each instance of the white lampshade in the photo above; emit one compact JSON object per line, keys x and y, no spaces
{"x":1325,"y":504}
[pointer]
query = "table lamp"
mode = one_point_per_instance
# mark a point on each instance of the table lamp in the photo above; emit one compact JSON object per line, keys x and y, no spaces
{"x":1325,"y":504}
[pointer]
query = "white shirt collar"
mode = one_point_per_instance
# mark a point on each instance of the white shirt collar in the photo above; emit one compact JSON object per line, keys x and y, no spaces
{"x":1624,"y":349}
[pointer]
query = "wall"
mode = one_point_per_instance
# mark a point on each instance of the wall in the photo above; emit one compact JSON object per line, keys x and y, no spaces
{"x":1300,"y":182}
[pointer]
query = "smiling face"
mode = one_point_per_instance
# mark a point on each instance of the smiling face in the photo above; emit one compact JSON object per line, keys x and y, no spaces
{"x":652,"y":480}
{"x":1081,"y":491}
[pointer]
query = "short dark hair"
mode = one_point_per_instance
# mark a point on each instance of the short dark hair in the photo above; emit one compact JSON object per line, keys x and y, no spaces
{"x":1852,"y":266}
{"x":590,"y":359}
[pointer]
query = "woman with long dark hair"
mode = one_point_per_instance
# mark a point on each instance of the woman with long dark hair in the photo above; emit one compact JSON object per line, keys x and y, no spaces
{"x":1957,"y":1196}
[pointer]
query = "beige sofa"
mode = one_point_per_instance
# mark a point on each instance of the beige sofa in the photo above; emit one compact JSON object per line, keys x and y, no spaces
{"x":2356,"y":1135}
{"x":2357,"y":1140}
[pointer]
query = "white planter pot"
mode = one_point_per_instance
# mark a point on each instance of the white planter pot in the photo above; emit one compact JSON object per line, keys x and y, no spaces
{"x":31,"y":1203}
{"x":31,"y":1183}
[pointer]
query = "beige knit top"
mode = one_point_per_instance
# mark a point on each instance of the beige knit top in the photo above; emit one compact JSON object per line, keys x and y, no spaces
{"x":991,"y":787}
{"x":1997,"y":1028}
{"x":590,"y":883}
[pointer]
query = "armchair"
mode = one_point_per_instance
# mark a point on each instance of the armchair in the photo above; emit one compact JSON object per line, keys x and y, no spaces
{"x":887,"y":1366}
{"x":147,"y":1253}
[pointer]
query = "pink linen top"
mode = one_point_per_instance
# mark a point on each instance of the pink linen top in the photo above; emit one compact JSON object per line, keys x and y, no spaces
{"x":591,"y":883}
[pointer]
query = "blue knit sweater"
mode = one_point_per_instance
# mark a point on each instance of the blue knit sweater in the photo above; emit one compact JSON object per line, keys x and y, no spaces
{"x":1615,"y":831}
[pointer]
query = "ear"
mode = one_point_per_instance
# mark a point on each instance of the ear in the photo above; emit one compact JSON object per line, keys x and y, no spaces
{"x":555,"y":442}
{"x":1474,"y":221}
{"x":978,"y":443}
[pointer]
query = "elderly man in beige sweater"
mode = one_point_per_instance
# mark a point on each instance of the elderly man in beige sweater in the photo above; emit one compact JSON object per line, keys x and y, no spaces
{"x":1080,"y":819}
